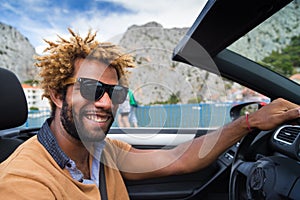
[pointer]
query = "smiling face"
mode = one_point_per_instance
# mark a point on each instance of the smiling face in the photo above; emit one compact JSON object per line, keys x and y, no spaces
{"x":84,"y":119}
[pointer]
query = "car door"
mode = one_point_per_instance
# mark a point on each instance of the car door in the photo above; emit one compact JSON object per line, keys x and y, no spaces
{"x":187,"y":186}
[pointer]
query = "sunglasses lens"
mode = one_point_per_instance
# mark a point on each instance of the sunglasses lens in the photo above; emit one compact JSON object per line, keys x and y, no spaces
{"x":91,"y":90}
{"x":118,"y":94}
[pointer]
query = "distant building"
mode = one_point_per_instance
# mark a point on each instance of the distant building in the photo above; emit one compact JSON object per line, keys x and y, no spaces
{"x":296,"y":78}
{"x":34,"y":97}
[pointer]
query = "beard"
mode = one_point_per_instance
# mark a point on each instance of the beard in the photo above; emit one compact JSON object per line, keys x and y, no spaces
{"x":75,"y":126}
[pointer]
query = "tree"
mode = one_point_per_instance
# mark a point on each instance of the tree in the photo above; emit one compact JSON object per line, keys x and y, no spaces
{"x":285,"y":61}
{"x":31,"y":82}
{"x":173,"y":99}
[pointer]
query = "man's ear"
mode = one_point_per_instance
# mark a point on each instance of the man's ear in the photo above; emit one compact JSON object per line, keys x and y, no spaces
{"x":56,"y":98}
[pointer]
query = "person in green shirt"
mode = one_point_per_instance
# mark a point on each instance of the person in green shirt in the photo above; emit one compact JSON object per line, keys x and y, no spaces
{"x":133,"y":105}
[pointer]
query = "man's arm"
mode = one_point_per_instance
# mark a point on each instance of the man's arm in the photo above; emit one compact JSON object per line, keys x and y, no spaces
{"x":202,"y":151}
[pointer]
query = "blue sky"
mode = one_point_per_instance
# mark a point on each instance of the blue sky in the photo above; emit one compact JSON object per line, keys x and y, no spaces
{"x":44,"y":19}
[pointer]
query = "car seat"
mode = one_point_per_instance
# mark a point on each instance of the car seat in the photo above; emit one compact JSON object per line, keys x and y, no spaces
{"x":13,"y":111}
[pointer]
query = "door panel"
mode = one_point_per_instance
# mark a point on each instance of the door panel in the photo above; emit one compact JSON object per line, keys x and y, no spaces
{"x":188,"y":186}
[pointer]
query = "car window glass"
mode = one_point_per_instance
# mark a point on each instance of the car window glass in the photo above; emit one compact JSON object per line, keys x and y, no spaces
{"x":277,"y":41}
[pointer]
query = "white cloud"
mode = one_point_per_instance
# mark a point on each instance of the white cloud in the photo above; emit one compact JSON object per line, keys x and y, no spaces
{"x":169,"y":13}
{"x":56,"y":20}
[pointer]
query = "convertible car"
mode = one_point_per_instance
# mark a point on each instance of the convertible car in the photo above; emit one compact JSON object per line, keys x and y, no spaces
{"x":264,"y":164}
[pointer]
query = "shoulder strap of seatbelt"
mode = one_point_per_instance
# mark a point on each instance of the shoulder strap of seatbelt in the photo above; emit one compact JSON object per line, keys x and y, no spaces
{"x":102,"y":184}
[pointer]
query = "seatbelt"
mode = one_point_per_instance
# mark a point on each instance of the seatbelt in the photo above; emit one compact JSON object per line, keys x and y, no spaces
{"x":102,"y":185}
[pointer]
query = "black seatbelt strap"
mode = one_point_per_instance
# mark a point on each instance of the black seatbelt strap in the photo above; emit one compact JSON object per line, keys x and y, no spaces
{"x":102,"y":185}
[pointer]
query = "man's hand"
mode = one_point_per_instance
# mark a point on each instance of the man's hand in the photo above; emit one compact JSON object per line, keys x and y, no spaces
{"x":274,"y":114}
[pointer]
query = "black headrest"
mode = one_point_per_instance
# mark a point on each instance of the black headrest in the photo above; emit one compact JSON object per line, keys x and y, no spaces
{"x":13,"y":104}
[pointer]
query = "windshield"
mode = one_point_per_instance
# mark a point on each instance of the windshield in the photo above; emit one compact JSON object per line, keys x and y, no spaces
{"x":275,"y":43}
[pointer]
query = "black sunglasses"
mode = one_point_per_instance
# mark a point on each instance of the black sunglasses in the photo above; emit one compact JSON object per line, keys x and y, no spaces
{"x":93,"y":90}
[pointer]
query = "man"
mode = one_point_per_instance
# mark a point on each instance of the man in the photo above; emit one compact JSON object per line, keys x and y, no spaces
{"x":83,"y":80}
{"x":127,"y":116}
{"x":124,"y":111}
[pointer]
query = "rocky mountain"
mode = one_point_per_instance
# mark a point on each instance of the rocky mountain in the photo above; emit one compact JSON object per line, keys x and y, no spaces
{"x":260,"y":42}
{"x":156,"y":76}
{"x":16,"y":52}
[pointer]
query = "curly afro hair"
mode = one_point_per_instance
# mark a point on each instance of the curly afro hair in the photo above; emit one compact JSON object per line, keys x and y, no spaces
{"x":57,"y":64}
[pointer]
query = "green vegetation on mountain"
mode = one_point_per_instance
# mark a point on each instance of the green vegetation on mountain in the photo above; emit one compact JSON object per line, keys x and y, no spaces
{"x":285,"y":61}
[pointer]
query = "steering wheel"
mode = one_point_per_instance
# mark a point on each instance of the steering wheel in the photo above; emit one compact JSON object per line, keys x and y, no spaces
{"x":258,"y":172}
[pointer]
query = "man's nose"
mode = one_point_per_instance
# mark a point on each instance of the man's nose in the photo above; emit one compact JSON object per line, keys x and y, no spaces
{"x":104,"y":101}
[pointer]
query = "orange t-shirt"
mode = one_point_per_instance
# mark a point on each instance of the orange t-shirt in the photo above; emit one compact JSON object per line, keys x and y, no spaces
{"x":31,"y":173}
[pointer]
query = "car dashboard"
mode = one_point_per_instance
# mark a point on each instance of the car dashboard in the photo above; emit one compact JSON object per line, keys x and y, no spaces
{"x":267,"y":165}
{"x":286,"y":140}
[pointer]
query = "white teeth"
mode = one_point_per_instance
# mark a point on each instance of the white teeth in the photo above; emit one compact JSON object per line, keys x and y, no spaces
{"x":97,"y":118}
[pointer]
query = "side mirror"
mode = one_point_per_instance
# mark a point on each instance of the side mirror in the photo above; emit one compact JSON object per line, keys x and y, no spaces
{"x":241,"y":109}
